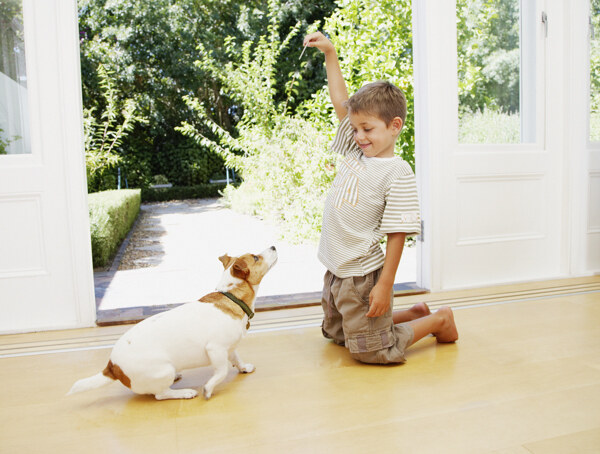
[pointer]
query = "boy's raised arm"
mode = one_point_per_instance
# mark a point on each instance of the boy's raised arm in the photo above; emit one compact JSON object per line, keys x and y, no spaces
{"x":337,"y":86}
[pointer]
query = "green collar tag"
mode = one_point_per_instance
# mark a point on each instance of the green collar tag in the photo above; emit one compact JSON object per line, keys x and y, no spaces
{"x":240,"y":303}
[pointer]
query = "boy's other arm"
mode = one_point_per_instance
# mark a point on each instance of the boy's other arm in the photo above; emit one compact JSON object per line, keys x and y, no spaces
{"x":335,"y":80}
{"x":379,"y":299}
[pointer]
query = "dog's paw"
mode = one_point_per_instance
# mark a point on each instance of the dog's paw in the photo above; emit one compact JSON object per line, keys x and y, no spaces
{"x":176,"y":394}
{"x":189,"y":393}
{"x":207,"y":393}
{"x":247,"y":368}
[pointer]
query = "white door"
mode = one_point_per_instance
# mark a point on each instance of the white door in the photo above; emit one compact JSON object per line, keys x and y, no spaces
{"x":585,"y":141}
{"x":46,"y":277}
{"x":493,"y":205}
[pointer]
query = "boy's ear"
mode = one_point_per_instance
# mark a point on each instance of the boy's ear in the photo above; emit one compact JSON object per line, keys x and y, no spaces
{"x":397,"y":124}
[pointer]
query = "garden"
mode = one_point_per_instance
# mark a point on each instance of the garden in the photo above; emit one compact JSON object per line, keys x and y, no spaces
{"x":186,"y":93}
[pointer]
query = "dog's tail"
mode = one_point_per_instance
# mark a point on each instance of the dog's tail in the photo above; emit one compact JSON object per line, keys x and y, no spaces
{"x":111,"y":372}
{"x":93,"y":382}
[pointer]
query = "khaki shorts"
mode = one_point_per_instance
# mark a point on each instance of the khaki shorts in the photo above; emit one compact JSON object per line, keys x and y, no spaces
{"x":375,"y":340}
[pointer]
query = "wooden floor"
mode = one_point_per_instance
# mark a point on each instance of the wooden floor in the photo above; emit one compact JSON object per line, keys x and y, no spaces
{"x":523,"y":378}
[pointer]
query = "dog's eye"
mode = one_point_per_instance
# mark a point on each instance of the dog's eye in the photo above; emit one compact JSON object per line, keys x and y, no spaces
{"x":255,"y":258}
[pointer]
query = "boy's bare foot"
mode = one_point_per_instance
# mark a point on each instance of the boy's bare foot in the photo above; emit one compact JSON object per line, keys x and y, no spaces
{"x":419,"y":310}
{"x":447,"y":331}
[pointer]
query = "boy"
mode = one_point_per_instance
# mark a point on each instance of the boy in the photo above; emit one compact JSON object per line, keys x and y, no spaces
{"x":374,"y":194}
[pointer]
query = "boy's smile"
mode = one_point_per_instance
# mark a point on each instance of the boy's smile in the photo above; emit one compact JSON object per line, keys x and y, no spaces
{"x":373,"y":136}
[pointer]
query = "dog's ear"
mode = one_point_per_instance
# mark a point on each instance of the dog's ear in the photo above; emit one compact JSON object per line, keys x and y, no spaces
{"x":225,"y":260}
{"x":240,"y":270}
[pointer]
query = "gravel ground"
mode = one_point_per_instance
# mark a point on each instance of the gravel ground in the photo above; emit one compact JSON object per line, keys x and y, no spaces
{"x":144,"y":241}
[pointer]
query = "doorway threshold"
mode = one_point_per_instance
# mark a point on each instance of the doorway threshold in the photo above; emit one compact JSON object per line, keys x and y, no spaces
{"x":129,"y":315}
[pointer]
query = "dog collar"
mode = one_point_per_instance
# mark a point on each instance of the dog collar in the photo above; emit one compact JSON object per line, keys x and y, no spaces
{"x":240,"y":303}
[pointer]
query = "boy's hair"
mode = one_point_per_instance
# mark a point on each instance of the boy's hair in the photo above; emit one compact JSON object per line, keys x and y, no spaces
{"x":381,"y":99}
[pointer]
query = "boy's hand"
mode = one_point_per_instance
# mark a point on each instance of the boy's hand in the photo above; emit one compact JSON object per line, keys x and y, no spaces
{"x":337,"y":87}
{"x":379,"y":300}
{"x":319,"y":41}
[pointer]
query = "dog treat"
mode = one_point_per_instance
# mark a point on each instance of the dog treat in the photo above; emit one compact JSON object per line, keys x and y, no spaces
{"x":305,"y":46}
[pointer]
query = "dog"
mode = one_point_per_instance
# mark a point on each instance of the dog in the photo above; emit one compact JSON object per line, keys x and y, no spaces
{"x":148,"y":357}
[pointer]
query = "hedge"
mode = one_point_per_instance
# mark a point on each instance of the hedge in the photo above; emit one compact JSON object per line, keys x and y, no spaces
{"x":182,"y":192}
{"x":112,"y":213}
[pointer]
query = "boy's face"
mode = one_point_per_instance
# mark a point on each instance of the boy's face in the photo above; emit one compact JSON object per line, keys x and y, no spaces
{"x":373,"y":136}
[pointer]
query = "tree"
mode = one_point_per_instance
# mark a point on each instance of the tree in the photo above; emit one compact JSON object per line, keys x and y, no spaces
{"x":104,"y":132}
{"x":151,"y":48}
{"x":488,"y":54}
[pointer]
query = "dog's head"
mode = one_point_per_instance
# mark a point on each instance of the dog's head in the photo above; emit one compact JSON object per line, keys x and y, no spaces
{"x":249,"y":267}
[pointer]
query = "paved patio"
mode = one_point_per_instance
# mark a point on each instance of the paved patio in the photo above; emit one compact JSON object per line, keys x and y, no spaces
{"x":174,"y":250}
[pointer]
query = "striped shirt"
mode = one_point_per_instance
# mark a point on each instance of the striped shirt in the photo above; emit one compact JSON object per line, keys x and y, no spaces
{"x":369,"y":198}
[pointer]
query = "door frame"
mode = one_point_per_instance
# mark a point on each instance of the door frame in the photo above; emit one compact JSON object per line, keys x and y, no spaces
{"x":434,"y":31}
{"x":55,"y":183}
{"x":584,"y":165}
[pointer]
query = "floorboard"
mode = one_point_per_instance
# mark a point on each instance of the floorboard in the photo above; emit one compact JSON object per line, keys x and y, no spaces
{"x":524,"y":377}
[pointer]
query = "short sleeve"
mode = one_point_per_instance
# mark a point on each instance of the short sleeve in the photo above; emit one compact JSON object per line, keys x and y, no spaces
{"x":343,"y":142}
{"x":402,"y":212}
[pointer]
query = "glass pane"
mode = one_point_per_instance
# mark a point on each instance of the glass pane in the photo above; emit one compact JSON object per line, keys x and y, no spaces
{"x":14,"y":112}
{"x":496,"y":71}
{"x":595,"y":73}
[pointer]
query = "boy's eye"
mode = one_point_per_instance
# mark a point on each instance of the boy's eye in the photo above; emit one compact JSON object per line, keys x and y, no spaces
{"x":255,"y":258}
{"x":368,"y":129}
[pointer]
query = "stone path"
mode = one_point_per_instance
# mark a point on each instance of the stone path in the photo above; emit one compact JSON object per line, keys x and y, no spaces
{"x":172,"y":256}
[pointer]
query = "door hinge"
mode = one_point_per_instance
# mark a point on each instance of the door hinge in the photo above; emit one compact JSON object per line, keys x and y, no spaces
{"x":545,"y":22}
{"x":421,"y":237}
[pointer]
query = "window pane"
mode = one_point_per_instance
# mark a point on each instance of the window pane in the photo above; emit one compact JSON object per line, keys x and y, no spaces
{"x":595,"y":73}
{"x":14,"y":116}
{"x":496,"y":71}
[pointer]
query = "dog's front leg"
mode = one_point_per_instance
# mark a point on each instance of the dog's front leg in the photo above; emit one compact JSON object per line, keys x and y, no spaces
{"x":244,"y":368}
{"x":219,"y":361}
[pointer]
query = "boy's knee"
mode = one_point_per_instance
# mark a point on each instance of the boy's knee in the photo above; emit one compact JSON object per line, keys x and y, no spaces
{"x":367,"y":357}
{"x":383,"y":347}
{"x":338,"y":340}
{"x":385,"y":356}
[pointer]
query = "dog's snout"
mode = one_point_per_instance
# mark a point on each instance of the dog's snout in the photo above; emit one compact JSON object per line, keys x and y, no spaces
{"x":270,"y":256}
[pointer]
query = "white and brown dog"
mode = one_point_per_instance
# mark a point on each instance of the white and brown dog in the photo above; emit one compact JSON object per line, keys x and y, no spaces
{"x":148,"y":358}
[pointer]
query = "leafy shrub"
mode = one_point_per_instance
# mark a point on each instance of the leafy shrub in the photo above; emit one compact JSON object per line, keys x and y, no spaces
{"x":103,"y":135}
{"x":112,"y":213}
{"x":594,"y":126}
{"x":188,"y":164}
{"x":489,"y":126}
{"x":286,"y":179}
{"x":595,"y":74}
{"x":284,"y":160}
{"x":488,"y":55}
{"x":137,"y":165}
{"x":5,"y":143}
{"x":182,"y":192}
{"x":160,"y":179}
